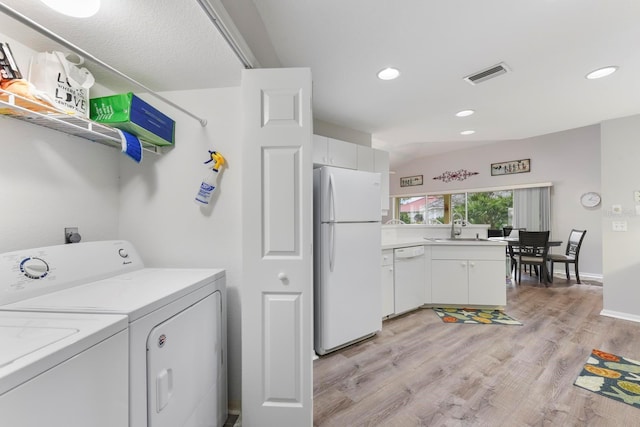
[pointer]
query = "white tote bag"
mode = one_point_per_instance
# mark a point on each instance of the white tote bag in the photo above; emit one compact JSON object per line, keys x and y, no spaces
{"x":63,"y":80}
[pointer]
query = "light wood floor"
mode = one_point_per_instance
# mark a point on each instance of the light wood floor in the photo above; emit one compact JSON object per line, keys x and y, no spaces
{"x":420,"y":371}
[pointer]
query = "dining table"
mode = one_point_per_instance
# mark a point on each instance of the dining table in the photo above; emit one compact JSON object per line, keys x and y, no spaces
{"x":514,"y":241}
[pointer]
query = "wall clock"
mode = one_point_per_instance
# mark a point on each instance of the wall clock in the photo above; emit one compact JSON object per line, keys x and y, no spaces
{"x":590,"y":199}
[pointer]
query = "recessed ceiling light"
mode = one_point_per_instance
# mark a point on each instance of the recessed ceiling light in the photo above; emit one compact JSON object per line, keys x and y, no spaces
{"x":464,"y":113}
{"x":388,"y":74}
{"x":75,"y":8}
{"x":467,"y":132}
{"x":602,"y":72}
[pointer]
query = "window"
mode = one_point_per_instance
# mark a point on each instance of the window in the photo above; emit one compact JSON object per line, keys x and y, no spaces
{"x":411,"y":210}
{"x":492,"y":207}
{"x":498,"y":207}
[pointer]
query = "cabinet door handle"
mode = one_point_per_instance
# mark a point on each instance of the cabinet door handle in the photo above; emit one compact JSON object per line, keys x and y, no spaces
{"x":472,"y":264}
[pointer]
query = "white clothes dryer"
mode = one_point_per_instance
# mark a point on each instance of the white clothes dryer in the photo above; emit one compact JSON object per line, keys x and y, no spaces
{"x":177,"y":322}
{"x":63,"y":370}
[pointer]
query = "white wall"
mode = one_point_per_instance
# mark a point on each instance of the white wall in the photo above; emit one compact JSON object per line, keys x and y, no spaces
{"x":49,"y":181}
{"x":158,"y":213}
{"x":569,"y":159}
{"x":620,"y":180}
{"x":342,"y":133}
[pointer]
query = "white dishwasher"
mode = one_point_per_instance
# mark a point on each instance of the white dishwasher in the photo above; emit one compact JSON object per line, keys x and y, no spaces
{"x":409,"y":278}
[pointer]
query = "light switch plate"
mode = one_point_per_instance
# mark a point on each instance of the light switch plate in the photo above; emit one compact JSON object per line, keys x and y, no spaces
{"x":619,"y":225}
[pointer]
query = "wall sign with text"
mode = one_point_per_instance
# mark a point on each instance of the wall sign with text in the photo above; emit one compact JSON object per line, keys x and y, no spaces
{"x":514,"y":166}
{"x":410,"y":181}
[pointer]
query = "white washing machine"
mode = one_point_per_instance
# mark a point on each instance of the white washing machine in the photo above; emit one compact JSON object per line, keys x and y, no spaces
{"x":177,"y":322}
{"x":63,"y":370}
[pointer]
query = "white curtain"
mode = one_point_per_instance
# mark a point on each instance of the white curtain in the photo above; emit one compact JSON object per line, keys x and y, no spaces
{"x":532,"y":208}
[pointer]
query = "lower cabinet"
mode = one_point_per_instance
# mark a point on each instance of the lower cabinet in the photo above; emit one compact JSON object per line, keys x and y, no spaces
{"x":386,"y":272}
{"x":487,"y":285}
{"x":450,"y":281}
{"x":471,"y":275}
{"x":443,"y":275}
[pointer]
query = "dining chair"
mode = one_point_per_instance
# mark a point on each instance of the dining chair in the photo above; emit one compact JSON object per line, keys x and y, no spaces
{"x":494,"y":233}
{"x":571,"y":253}
{"x":512,"y":250}
{"x":534,"y":247}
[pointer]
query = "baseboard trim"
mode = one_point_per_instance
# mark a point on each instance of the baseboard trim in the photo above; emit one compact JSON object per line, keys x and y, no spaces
{"x":620,"y":315}
{"x":572,"y":275}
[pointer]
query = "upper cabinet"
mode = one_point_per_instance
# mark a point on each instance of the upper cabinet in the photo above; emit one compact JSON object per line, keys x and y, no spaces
{"x":366,"y":158}
{"x":341,"y":154}
{"x":333,"y":152}
{"x":381,"y":164}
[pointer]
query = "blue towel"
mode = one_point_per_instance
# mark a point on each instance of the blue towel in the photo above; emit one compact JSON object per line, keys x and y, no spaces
{"x":131,"y":145}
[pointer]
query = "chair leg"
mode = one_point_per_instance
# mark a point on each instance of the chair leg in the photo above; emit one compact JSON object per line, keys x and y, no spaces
{"x":577,"y":274}
{"x":551,"y":271}
{"x":566,"y":268}
{"x":519,"y":272}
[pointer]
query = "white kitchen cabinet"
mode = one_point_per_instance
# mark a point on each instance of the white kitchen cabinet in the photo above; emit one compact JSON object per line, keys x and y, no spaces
{"x":468,"y":275}
{"x":386,"y":272}
{"x":449,"y":281}
{"x":366,"y":158}
{"x":333,"y":152}
{"x":487,"y":285}
{"x":381,"y":165}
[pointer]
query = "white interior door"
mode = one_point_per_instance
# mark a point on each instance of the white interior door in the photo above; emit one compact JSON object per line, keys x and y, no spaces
{"x":276,"y":291}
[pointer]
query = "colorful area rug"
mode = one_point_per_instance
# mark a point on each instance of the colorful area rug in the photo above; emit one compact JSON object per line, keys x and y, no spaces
{"x":612,"y":376}
{"x":475,"y":316}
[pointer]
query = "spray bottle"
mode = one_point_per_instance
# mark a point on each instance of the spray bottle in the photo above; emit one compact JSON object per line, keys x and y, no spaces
{"x":209,"y":183}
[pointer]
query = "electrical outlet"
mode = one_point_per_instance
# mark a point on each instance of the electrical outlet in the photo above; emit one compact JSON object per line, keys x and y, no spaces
{"x":71,"y":235}
{"x":619,"y":225}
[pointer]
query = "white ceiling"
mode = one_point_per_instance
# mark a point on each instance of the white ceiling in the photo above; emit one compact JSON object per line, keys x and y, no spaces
{"x":549,"y":45}
{"x":164,"y":44}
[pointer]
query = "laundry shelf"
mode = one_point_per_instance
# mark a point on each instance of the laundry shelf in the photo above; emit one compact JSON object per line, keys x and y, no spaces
{"x":20,"y":108}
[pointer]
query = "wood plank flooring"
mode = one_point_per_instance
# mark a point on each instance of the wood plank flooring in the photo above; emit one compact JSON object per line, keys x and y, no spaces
{"x":420,"y":371}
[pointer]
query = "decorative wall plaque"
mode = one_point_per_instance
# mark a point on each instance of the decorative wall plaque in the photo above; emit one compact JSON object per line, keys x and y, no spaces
{"x":459,"y":175}
{"x":410,"y":181}
{"x":514,"y":166}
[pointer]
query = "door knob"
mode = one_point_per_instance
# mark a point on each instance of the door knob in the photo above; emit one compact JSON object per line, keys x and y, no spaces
{"x":282,"y":276}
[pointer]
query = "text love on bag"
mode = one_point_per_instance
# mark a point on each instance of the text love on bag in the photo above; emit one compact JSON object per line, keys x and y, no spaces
{"x":63,"y":80}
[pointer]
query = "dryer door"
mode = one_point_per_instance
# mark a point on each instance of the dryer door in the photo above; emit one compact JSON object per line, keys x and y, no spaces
{"x":183,"y":367}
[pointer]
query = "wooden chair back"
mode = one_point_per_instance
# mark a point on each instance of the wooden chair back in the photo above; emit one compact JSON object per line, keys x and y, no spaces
{"x":575,"y":242}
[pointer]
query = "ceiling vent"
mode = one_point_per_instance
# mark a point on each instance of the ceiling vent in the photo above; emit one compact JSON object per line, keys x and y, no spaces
{"x":487,"y":74}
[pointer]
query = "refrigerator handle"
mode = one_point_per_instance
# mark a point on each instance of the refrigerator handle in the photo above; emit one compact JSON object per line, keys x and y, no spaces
{"x":332,"y":232}
{"x":332,"y":201}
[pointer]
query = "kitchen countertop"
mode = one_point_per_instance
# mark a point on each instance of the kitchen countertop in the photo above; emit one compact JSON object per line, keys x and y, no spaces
{"x":439,"y":241}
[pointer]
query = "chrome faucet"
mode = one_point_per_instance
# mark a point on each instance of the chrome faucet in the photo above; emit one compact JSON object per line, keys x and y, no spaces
{"x":456,"y":231}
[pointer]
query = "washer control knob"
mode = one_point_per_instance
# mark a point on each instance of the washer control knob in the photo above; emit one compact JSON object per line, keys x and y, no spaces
{"x":123,"y":253}
{"x":34,"y":268}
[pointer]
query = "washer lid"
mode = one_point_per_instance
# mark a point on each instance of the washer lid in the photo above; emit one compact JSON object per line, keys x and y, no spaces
{"x":21,"y":340}
{"x":32,"y":342}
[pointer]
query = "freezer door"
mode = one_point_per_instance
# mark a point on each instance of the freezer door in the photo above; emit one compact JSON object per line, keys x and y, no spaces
{"x":346,"y":195}
{"x":347,"y":286}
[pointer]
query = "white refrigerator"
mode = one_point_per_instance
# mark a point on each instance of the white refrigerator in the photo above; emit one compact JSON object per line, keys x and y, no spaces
{"x":347,"y":241}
